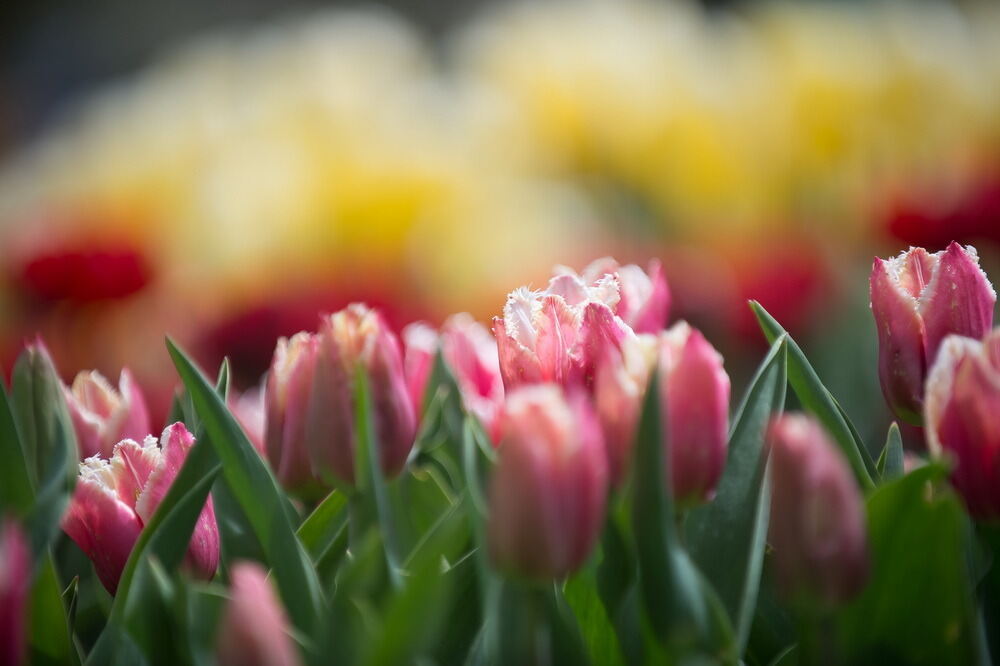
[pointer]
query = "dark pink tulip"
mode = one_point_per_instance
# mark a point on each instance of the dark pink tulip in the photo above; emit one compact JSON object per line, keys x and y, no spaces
{"x":114,"y":499}
{"x":287,"y":393}
{"x":961,"y":412}
{"x":547,"y":495}
{"x":420,"y":344}
{"x":102,"y":416}
{"x":644,"y":301}
{"x":358,"y":337}
{"x":254,"y":628}
{"x":919,"y":298}
{"x":15,"y":585}
{"x":694,"y":389}
{"x":817,"y":527}
{"x":471,"y":354}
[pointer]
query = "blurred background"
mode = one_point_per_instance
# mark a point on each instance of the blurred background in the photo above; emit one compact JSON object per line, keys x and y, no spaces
{"x":223,"y":173}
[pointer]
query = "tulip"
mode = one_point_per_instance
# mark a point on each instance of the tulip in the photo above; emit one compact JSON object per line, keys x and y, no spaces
{"x":115,"y":498}
{"x":15,"y":584}
{"x":557,"y":335}
{"x":254,"y":625}
{"x":102,"y":416}
{"x":548,"y":491}
{"x":644,"y":298}
{"x":961,"y":407}
{"x":420,"y":344}
{"x":817,"y":527}
{"x":248,"y":408}
{"x":309,"y":400}
{"x":471,"y":354}
{"x":694,"y":390}
{"x":918,"y":299}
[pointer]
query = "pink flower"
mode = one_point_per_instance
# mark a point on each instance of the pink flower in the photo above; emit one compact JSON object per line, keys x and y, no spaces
{"x":15,"y":585}
{"x":420,"y":344}
{"x":254,"y":628}
{"x":817,"y":528}
{"x":310,"y":399}
{"x":644,"y":298}
{"x":547,"y":496}
{"x":114,"y":499}
{"x":694,"y":389}
{"x":471,"y":354}
{"x":248,"y":408}
{"x":960,"y":410}
{"x":919,"y":298}
{"x":102,"y":416}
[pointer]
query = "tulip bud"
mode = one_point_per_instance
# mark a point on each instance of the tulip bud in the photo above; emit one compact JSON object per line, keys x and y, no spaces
{"x":644,"y":298}
{"x":358,"y":337}
{"x":15,"y":584}
{"x":817,"y":527}
{"x":102,"y":416}
{"x":420,"y":343}
{"x":961,"y":407}
{"x":287,"y":392}
{"x":471,"y":354}
{"x":248,"y":408}
{"x":254,"y":625}
{"x":919,"y":298}
{"x":114,"y":499}
{"x":548,"y":491}
{"x":694,"y":390}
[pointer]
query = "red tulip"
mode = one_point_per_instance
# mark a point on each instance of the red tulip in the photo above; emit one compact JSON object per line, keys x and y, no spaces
{"x":114,"y":499}
{"x":817,"y":527}
{"x":918,"y":298}
{"x":254,"y":629}
{"x":961,"y":407}
{"x":547,"y":496}
{"x":15,"y":585}
{"x":102,"y":416}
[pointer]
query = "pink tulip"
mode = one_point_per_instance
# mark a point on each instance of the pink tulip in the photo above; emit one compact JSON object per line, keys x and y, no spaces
{"x":919,"y":298}
{"x":694,"y":390}
{"x":817,"y":527}
{"x":547,"y":496}
{"x":15,"y":585}
{"x":254,"y":628}
{"x":114,"y":499}
{"x":248,"y":408}
{"x":471,"y":354}
{"x":644,"y":298}
{"x":960,"y":410}
{"x":420,"y":343}
{"x":102,"y":416}
{"x":309,"y":400}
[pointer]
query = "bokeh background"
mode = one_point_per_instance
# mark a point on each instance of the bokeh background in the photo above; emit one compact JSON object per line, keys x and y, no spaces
{"x":223,"y":174}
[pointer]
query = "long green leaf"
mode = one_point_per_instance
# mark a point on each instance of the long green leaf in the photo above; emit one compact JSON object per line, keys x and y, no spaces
{"x":324,"y":523}
{"x":890,"y":462}
{"x":16,"y":492}
{"x":817,"y":399}
{"x":727,"y":536}
{"x":258,"y":493}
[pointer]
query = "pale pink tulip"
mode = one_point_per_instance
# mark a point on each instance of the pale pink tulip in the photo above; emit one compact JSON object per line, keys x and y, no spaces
{"x":254,"y":626}
{"x":248,"y":408}
{"x":103,"y":416}
{"x":420,"y":344}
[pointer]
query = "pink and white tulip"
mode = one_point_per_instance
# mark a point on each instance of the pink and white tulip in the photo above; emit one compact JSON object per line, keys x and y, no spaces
{"x":548,"y":491}
{"x":420,"y":344}
{"x":471,"y":354}
{"x":15,"y":585}
{"x":961,"y":407}
{"x":287,"y":393}
{"x":254,"y":628}
{"x":817,"y":527}
{"x":918,"y":299}
{"x":644,"y":298}
{"x":115,"y":498}
{"x":103,"y":416}
{"x":694,"y":390}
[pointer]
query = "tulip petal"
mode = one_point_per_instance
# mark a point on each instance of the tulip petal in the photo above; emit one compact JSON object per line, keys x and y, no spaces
{"x":518,"y":364}
{"x":133,"y":417}
{"x":254,"y":628}
{"x":15,"y":585}
{"x":420,"y":343}
{"x":557,"y":327}
{"x":287,"y":390}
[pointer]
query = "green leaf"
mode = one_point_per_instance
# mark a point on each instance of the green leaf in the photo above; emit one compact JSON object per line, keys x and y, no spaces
{"x":918,"y":605}
{"x":260,"y":497}
{"x":323,"y":525}
{"x":50,"y":640}
{"x":890,"y":462}
{"x":597,"y":629}
{"x":16,"y":493}
{"x":727,"y":536}
{"x":817,"y":399}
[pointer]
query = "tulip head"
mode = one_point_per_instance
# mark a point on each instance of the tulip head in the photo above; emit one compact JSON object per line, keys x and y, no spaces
{"x":254,"y":625}
{"x":961,"y":407}
{"x":471,"y":354}
{"x":420,"y":344}
{"x":694,"y":393}
{"x":918,"y":299}
{"x":817,"y":527}
{"x":644,"y":298}
{"x":287,"y":393}
{"x":248,"y":409}
{"x":15,"y":585}
{"x":547,"y":495}
{"x":103,"y":416}
{"x":115,"y":498}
